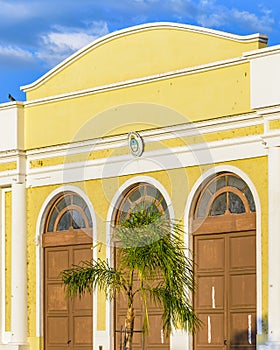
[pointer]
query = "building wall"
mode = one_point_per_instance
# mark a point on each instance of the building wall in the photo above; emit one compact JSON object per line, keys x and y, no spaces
{"x":194,"y":113}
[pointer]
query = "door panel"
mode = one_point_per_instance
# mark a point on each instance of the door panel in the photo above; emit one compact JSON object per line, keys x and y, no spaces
{"x":242,"y":250}
{"x":211,"y":334}
{"x":241,"y":292}
{"x":243,"y":330}
{"x":210,"y":254}
{"x":210,"y":293}
{"x":210,"y":297}
{"x":68,"y":321}
{"x":82,"y":307}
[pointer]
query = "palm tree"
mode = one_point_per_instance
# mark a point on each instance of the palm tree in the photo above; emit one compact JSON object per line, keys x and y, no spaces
{"x":150,"y":248}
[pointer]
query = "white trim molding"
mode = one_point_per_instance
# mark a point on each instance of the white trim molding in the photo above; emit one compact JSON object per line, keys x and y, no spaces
{"x":202,"y":153}
{"x":113,"y":204}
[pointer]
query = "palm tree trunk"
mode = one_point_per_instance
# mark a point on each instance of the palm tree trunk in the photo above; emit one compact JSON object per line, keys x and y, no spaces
{"x":129,"y":327}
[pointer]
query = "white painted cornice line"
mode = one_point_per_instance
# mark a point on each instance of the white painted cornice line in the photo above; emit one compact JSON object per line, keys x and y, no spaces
{"x":268,"y":111}
{"x":11,"y":105}
{"x":140,"y":28}
{"x":266,"y":51}
{"x":165,"y":159}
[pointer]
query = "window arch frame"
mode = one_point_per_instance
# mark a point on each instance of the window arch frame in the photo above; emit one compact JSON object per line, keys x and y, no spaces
{"x":81,"y":235}
{"x":124,"y":197}
{"x":60,"y":212}
{"x":230,"y":221}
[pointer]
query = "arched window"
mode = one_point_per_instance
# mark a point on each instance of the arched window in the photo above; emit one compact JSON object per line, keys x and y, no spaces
{"x":225,"y":196}
{"x":69,"y":211}
{"x":137,"y":196}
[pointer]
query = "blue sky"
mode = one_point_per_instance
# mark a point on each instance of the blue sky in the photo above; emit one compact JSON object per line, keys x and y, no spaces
{"x":35,"y":35}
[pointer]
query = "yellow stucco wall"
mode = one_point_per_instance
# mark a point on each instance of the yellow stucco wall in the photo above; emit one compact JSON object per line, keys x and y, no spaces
{"x":101,"y":192}
{"x":139,"y":52}
{"x":189,"y":98}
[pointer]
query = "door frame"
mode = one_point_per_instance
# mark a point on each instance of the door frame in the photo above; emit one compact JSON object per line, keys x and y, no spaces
{"x":38,"y":240}
{"x":188,"y":239}
{"x":176,"y":336}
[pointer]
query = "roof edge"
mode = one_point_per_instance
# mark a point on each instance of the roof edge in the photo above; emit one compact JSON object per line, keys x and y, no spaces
{"x":138,"y":28}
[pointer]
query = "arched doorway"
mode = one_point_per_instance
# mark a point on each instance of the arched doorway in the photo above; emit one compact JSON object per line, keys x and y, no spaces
{"x":223,"y":224}
{"x":130,"y":200}
{"x":67,"y":240}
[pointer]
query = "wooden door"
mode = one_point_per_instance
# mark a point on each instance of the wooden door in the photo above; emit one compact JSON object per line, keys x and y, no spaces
{"x":67,"y":321}
{"x":223,"y":224}
{"x":225,"y":299}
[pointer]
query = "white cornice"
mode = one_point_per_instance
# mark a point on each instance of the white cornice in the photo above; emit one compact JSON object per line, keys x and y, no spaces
{"x":269,"y":110}
{"x":266,"y":51}
{"x":11,"y":105}
{"x":139,"y":81}
{"x":161,"y":160}
{"x":139,"y":28}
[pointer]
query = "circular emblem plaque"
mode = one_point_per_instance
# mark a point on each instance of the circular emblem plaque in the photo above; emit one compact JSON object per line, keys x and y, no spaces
{"x":135,"y":143}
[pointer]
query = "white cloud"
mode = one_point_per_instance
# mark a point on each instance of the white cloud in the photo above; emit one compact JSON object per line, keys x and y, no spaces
{"x":15,"y":54}
{"x":210,"y":14}
{"x":63,"y":41}
{"x":260,"y":23}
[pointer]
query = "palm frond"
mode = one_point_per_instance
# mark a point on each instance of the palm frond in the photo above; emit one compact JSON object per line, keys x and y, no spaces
{"x":91,"y":274}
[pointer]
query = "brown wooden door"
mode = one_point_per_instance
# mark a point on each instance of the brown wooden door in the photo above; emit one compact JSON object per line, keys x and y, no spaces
{"x":225,"y":299}
{"x":67,"y":321}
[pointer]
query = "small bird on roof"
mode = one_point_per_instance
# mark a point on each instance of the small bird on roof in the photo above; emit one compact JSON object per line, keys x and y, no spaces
{"x":11,"y":98}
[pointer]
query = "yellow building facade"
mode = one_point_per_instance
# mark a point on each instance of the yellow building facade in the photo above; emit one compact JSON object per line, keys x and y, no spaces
{"x":202,"y":109}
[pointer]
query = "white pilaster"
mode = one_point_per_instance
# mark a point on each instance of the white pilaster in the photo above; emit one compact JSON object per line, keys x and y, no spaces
{"x":19,"y":267}
{"x":274,"y":248}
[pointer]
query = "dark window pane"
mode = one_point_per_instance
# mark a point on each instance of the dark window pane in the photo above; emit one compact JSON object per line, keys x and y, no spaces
{"x":151,"y":191}
{"x":159,"y":196}
{"x":164,"y":205}
{"x":52,"y":220}
{"x":236,"y":205}
{"x":126,"y":207}
{"x":77,"y":200}
{"x":135,"y":195}
{"x":123,"y":216}
{"x":88,"y":216}
{"x":64,"y":222}
{"x":77,"y":220}
{"x":218,"y":207}
{"x":217,"y":184}
{"x":250,"y":200}
{"x":234,"y":181}
{"x":62,"y":203}
{"x":203,"y":204}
